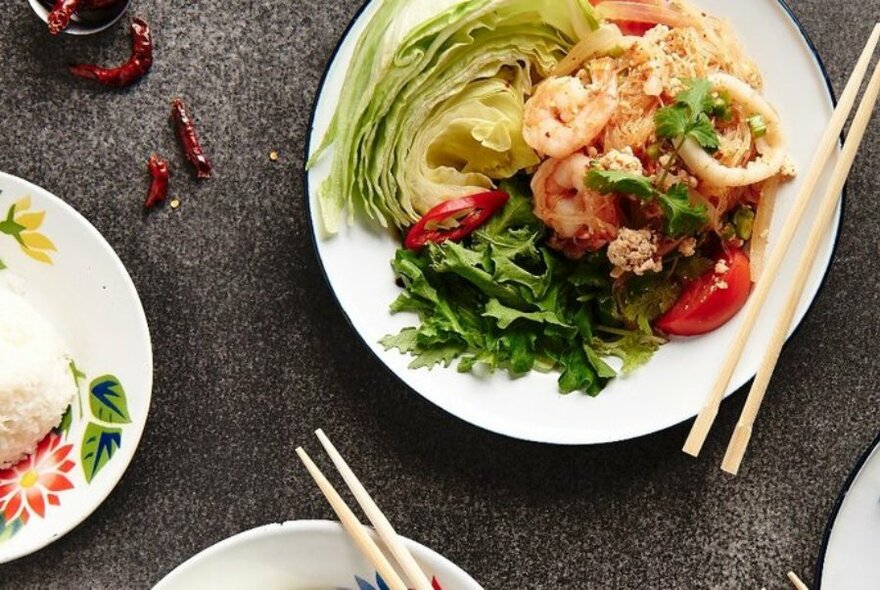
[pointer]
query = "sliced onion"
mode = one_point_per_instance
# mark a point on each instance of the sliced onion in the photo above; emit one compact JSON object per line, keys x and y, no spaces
{"x":642,"y":13}
{"x":601,"y":41}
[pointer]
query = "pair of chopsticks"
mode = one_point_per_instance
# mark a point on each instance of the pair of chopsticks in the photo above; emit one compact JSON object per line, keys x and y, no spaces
{"x":357,"y":531}
{"x":741,"y":436}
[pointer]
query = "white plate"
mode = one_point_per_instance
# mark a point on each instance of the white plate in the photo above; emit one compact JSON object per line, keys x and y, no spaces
{"x":298,"y":555}
{"x":849,"y":558}
{"x":673,"y":386}
{"x":83,"y":288}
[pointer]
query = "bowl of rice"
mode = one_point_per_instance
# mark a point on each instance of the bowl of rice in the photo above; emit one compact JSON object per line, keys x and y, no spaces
{"x":75,"y":368}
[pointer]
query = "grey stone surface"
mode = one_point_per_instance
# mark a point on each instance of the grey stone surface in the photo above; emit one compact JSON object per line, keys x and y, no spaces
{"x":252,"y":353}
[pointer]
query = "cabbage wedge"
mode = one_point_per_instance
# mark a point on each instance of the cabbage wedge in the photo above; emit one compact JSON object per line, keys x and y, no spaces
{"x":431,"y":108}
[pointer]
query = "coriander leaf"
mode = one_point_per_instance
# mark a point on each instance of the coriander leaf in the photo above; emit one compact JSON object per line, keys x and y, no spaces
{"x":671,"y":122}
{"x":704,"y":133}
{"x":616,"y":181}
{"x":696,"y":97}
{"x":505,"y":316}
{"x":682,"y":217}
{"x":689,"y":116}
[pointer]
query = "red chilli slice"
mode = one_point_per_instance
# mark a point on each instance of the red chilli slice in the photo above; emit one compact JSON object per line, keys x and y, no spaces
{"x":464,"y":214}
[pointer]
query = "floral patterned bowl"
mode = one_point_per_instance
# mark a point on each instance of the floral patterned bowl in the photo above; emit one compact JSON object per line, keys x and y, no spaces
{"x":70,"y":274}
{"x":299,"y":555}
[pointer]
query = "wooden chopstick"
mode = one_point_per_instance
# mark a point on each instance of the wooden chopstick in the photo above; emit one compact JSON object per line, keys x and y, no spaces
{"x":380,"y":522}
{"x":796,"y":581}
{"x":352,"y":526}
{"x":740,"y":439}
{"x":703,"y":423}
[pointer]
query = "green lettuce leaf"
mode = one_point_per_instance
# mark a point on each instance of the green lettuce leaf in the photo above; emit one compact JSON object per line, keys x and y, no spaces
{"x":634,"y":349}
{"x":500,"y":301}
{"x":431,"y":106}
{"x":505,"y":316}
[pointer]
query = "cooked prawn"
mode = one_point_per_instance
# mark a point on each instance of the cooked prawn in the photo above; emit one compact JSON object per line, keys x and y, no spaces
{"x":583,"y":220}
{"x":564,"y":115}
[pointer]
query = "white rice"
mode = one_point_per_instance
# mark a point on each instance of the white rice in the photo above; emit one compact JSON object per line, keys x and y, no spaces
{"x":36,"y":385}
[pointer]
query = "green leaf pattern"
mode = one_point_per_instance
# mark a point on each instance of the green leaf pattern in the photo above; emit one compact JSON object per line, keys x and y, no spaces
{"x":99,"y":444}
{"x":108,"y":406}
{"x":107,"y":400}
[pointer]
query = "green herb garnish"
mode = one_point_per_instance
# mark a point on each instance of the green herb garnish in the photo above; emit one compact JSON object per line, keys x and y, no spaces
{"x":758,"y":125}
{"x":616,"y":181}
{"x":689,"y":116}
{"x":744,"y":221}
{"x":682,"y":217}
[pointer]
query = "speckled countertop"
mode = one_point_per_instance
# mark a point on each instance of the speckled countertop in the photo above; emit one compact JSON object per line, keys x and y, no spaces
{"x":251,"y":352}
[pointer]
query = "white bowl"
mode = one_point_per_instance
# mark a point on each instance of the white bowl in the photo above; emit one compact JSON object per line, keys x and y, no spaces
{"x":674,"y":385}
{"x":298,"y":555}
{"x":83,"y":288}
{"x":849,"y":550}
{"x":79,"y":26}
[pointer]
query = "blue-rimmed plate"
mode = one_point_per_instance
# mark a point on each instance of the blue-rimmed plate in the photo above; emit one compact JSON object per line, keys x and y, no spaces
{"x":851,"y":547}
{"x":673,"y":386}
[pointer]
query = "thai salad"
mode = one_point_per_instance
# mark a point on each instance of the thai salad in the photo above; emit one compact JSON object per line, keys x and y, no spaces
{"x":571,"y":181}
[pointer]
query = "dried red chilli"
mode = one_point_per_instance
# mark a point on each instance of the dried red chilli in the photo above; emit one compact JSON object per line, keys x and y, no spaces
{"x":158,"y":168}
{"x":134,"y":69}
{"x":62,"y":12}
{"x":186,"y":132}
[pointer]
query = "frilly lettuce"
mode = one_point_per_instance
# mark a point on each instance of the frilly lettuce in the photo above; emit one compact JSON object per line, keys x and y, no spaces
{"x":500,"y":300}
{"x":431,"y":107}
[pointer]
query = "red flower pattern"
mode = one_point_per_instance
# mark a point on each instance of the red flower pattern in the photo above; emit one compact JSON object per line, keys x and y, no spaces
{"x":27,"y":488}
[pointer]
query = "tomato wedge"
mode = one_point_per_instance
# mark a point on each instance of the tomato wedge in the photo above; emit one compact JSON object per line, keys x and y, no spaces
{"x":455,"y":219}
{"x":711,"y":300}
